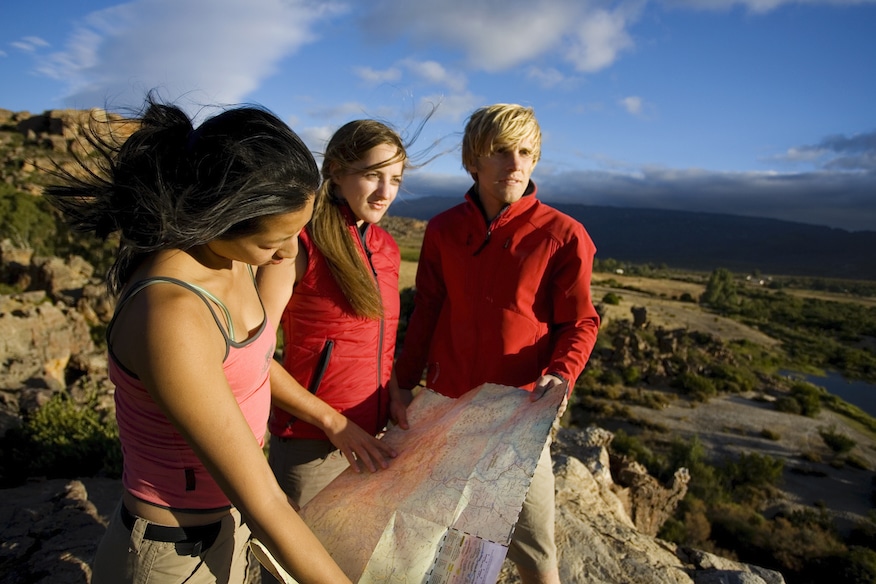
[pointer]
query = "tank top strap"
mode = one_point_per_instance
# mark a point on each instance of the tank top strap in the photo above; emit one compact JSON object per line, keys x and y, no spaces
{"x":200,"y":292}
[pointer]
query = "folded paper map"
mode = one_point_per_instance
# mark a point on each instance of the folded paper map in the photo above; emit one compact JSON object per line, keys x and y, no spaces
{"x":445,"y":509}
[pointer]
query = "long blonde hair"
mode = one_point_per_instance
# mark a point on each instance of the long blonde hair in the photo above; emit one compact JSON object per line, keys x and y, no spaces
{"x":329,"y":229}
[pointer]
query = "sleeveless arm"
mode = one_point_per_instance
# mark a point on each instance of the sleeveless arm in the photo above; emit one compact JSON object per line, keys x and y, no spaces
{"x":170,"y":340}
{"x":276,"y":283}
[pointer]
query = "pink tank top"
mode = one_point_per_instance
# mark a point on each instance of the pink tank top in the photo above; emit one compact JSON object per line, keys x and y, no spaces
{"x":159,"y":466}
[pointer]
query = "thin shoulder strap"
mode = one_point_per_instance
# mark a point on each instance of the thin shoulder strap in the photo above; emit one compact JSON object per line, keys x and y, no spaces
{"x":204,"y":295}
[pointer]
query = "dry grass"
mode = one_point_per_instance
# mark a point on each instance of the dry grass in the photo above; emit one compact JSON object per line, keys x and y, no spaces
{"x":672,"y":314}
{"x":407,"y":274}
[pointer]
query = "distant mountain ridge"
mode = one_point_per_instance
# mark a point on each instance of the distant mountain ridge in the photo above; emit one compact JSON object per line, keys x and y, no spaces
{"x":706,"y":241}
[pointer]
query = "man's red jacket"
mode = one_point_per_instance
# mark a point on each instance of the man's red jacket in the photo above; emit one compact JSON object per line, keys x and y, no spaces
{"x":500,"y":302}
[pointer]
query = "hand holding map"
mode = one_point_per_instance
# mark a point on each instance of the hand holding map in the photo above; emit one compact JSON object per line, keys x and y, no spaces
{"x":445,"y":509}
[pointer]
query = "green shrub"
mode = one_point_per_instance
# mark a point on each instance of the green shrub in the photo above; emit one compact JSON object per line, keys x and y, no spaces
{"x":693,"y":529}
{"x":26,"y":220}
{"x":720,"y":290}
{"x":770,"y":434}
{"x":631,"y":375}
{"x":732,"y":379}
{"x":624,"y":444}
{"x":858,"y":566}
{"x":810,"y":456}
{"x":808,"y":396}
{"x":611,"y":298}
{"x":788,"y":405}
{"x":695,"y":386}
{"x":611,"y":377}
{"x":62,"y":439}
{"x":654,"y":400}
{"x":687,"y":297}
{"x":839,"y":443}
{"x":752,"y":470}
{"x":409,"y":254}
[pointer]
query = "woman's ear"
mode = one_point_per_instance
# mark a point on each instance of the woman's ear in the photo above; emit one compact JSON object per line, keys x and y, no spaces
{"x":333,"y":170}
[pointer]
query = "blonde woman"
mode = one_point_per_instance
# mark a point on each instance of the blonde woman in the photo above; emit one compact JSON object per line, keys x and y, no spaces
{"x":340,"y":324}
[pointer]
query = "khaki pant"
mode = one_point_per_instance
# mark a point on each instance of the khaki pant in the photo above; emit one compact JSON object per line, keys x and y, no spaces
{"x":304,"y":467}
{"x":533,"y":546}
{"x":126,"y":557}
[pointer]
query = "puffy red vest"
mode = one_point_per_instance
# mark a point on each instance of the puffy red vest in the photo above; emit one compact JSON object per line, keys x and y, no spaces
{"x":346,"y":360}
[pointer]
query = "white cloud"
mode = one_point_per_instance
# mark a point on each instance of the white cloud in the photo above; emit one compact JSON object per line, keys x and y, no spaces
{"x":758,"y":6}
{"x":451,"y":107}
{"x":30,"y":44}
{"x":633,"y":104}
{"x":838,"y":199}
{"x":212,"y":51}
{"x":376,"y":77}
{"x":435,"y":73}
{"x":546,"y":77}
{"x":590,"y":34}
{"x":837,"y":152}
{"x":341,"y":111}
{"x":317,"y":137}
{"x":600,"y":38}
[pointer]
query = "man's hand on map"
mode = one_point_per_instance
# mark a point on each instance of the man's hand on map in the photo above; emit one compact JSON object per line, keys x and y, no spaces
{"x":546,"y":383}
{"x":399,"y":400}
{"x":359,"y":446}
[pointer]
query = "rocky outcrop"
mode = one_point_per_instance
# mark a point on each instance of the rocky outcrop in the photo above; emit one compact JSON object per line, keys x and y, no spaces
{"x":51,"y":530}
{"x":46,"y":331}
{"x":597,"y":536}
{"x":50,"y":138}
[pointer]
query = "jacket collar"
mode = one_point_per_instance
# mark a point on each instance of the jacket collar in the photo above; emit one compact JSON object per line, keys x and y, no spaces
{"x":527,"y":201}
{"x":351,"y":218}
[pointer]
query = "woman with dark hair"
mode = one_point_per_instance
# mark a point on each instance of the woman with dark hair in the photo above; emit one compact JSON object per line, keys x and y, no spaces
{"x":340,"y":324}
{"x":191,"y":345}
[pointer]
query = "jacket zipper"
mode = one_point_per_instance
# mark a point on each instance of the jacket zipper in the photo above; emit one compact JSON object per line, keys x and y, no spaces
{"x":490,"y":230}
{"x":380,"y":331}
{"x":485,"y":242}
{"x":321,"y":366}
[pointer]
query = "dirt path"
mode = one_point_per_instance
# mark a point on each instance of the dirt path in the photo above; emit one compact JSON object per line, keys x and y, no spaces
{"x":735,"y":424}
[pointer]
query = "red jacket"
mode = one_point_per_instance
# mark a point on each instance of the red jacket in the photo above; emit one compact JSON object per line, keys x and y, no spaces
{"x":345,"y":359}
{"x":501,"y":302}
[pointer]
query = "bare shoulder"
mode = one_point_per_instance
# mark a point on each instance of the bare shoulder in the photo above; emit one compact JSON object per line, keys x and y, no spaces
{"x":162,"y":321}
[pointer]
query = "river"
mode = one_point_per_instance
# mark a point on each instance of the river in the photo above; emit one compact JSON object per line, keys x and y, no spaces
{"x":858,"y":393}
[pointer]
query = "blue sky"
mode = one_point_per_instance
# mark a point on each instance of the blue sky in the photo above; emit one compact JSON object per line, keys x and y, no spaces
{"x":752,"y":107}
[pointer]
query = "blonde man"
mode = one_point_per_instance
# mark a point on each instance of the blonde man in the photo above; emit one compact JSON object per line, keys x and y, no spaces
{"x":503,"y":296}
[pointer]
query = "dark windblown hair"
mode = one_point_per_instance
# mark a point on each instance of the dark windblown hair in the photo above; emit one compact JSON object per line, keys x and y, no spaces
{"x":171,"y":186}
